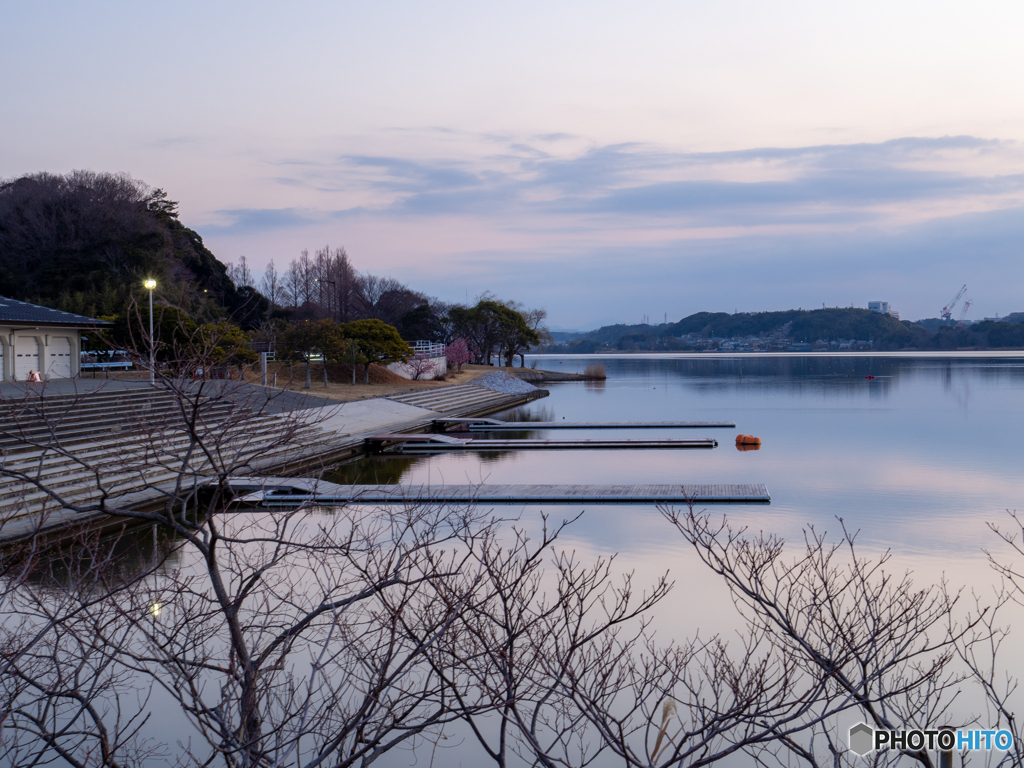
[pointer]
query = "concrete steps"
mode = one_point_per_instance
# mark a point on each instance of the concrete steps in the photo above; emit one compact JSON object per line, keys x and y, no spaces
{"x":131,"y":446}
{"x":449,"y":399}
{"x":144,"y":460}
{"x":31,"y":422}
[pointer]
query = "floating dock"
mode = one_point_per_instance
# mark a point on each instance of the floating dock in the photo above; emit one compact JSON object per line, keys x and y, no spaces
{"x":427,"y":443}
{"x":495,"y":425}
{"x":291,"y":492}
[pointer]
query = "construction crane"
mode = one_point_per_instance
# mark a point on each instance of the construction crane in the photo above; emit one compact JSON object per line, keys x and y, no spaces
{"x":947,"y":310}
{"x":963,"y":313}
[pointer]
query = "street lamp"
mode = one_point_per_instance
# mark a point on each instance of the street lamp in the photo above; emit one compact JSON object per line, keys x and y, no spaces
{"x":150,"y":285}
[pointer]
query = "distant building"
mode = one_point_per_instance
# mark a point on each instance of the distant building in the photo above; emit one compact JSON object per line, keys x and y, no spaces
{"x":882,"y":307}
{"x":34,"y":338}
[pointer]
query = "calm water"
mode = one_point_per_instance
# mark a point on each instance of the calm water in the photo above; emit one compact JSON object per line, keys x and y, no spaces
{"x":917,"y":459}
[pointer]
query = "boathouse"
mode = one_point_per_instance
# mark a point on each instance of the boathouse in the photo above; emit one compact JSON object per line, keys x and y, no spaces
{"x":34,"y":338}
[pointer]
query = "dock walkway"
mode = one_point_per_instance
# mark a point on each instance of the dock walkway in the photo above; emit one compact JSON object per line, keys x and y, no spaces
{"x":400,"y":443}
{"x":290,"y":492}
{"x":494,"y":425}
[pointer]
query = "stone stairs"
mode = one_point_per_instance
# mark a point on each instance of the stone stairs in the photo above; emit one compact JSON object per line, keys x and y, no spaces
{"x":31,"y":422}
{"x":452,"y":400}
{"x":130,"y":446}
{"x":85,"y":447}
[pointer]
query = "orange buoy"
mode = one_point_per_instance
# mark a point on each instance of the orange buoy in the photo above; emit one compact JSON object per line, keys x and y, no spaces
{"x":747,"y":440}
{"x":742,"y":447}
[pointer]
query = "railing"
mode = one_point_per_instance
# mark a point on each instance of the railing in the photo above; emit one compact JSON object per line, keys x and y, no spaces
{"x":116,"y":365}
{"x":427,"y":348}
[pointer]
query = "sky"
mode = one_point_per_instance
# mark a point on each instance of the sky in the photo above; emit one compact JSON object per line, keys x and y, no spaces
{"x":604,"y":161}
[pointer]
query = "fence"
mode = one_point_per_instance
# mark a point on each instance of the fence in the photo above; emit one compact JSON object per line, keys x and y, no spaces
{"x":427,"y":348}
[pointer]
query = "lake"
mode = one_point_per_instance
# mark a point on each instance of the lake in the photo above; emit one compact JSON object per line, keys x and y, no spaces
{"x":917,"y":459}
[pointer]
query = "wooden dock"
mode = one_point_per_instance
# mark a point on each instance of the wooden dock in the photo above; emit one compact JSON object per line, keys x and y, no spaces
{"x":494,"y":425}
{"x":290,"y":492}
{"x":427,"y":443}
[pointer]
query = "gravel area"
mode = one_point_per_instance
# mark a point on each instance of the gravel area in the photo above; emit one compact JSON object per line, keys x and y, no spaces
{"x":499,"y":381}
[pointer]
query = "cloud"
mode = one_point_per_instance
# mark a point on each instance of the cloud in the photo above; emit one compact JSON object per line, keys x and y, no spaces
{"x":840,"y":185}
{"x":733,"y":202}
{"x":630,"y":229}
{"x":915,"y":268}
{"x":245,"y":220}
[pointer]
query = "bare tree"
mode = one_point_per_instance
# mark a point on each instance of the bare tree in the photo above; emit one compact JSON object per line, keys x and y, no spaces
{"x":293,"y":636}
{"x":861,"y":639}
{"x":283,"y":635}
{"x":984,"y":652}
{"x":240,"y":274}
{"x":346,"y":284}
{"x":301,"y":287}
{"x":385,"y":299}
{"x":271,"y":285}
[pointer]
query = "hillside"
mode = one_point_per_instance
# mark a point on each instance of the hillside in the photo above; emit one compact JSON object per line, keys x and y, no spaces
{"x":84,"y":242}
{"x":799,"y":326}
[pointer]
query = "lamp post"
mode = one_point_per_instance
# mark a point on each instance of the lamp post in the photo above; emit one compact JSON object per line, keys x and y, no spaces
{"x":150,"y":285}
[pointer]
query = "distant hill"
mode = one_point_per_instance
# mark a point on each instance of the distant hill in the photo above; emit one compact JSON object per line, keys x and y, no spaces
{"x":802,"y":326}
{"x":984,"y":335}
{"x":84,"y":242}
{"x":806,"y":325}
{"x":708,"y":324}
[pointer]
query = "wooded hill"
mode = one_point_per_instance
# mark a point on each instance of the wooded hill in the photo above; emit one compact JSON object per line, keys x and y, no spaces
{"x":84,"y":242}
{"x":799,"y":325}
{"x":807,"y":325}
{"x":803,"y":326}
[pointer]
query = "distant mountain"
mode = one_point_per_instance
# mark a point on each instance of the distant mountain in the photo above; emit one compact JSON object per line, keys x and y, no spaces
{"x":801,"y":326}
{"x":85,"y":242}
{"x":584,"y":328}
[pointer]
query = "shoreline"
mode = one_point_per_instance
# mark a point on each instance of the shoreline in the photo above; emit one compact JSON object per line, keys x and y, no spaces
{"x":1011,"y":354}
{"x":331,"y":434}
{"x":343,"y":392}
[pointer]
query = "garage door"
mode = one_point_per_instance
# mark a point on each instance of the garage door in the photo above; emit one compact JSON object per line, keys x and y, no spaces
{"x":26,"y":356}
{"x":60,"y":358}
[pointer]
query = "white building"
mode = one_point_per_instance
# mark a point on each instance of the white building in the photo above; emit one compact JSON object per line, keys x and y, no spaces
{"x":34,"y":338}
{"x":883,"y":307}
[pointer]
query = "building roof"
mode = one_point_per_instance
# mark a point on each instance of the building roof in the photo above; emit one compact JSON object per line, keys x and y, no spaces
{"x":14,"y":312}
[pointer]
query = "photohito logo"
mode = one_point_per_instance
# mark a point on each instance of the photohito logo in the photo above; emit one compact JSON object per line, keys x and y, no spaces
{"x":863,"y":739}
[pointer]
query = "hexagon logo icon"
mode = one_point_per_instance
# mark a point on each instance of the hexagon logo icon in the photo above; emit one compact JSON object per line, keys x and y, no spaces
{"x":862,"y":738}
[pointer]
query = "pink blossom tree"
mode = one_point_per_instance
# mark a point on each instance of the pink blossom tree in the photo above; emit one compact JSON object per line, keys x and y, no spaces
{"x":420,"y":367}
{"x":458,"y":352}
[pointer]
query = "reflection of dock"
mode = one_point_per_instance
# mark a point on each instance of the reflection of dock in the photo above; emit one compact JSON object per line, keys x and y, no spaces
{"x":494,"y":425}
{"x":291,"y":492}
{"x":405,"y":443}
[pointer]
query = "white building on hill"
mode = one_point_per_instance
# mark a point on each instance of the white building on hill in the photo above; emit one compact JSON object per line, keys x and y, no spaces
{"x":883,"y":307}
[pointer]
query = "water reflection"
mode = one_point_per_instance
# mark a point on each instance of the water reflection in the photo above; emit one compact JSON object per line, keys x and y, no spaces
{"x":391,"y":468}
{"x":83,"y":563}
{"x":926,"y":451}
{"x":373,"y":470}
